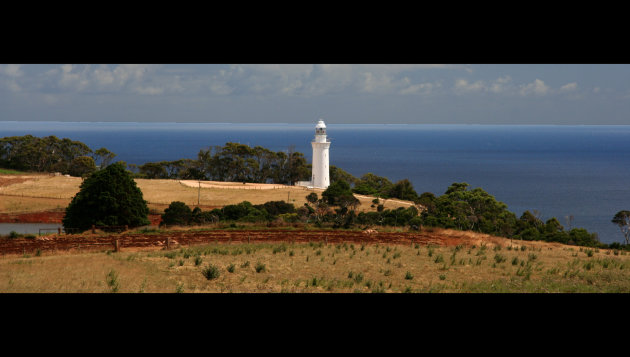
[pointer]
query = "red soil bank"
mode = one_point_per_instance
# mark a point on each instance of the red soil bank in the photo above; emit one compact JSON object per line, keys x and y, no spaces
{"x":33,"y":217}
{"x":134,"y":241}
{"x":52,"y":217}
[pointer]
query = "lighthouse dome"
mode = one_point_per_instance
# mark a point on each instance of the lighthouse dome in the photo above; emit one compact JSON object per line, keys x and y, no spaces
{"x":320,"y":125}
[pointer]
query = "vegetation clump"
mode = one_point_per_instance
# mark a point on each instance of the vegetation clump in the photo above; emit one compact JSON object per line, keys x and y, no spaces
{"x":108,"y":197}
{"x":211,"y":272}
{"x":51,"y":154}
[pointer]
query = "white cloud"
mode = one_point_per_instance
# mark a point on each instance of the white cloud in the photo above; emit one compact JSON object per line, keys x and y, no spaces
{"x":305,"y":80}
{"x":501,"y":85}
{"x":462,"y":86}
{"x":420,"y":88}
{"x":569,"y":87}
{"x":11,"y":70}
{"x":134,"y":78}
{"x":537,"y":87}
{"x":104,"y":76}
{"x":74,"y":80}
{"x":376,"y":83}
{"x":320,"y":79}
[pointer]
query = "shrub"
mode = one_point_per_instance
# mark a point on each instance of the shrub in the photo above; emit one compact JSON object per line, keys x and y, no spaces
{"x":231,"y":268}
{"x":408,"y":276}
{"x":499,"y":258}
{"x":260,"y":267}
{"x":177,"y":213}
{"x":211,"y":272}
{"x":112,"y":281}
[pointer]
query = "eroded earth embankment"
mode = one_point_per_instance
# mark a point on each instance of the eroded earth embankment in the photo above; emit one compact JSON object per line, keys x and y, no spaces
{"x":175,"y":239}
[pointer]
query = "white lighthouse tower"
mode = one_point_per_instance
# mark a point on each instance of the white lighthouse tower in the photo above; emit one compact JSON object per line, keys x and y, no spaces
{"x":321,"y":173}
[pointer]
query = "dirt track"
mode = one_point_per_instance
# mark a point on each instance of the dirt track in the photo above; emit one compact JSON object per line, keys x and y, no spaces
{"x":134,"y":241}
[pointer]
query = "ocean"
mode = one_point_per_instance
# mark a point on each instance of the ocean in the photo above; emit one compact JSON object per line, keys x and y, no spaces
{"x":558,"y":170}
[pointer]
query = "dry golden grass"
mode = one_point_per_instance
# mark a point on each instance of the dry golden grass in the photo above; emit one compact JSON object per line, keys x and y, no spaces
{"x":323,"y":268}
{"x":40,"y":191}
{"x":17,"y":204}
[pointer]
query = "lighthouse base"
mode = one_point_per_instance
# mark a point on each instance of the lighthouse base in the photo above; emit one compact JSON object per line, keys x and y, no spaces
{"x":308,"y":184}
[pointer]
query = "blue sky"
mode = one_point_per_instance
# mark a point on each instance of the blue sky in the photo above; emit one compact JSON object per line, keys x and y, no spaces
{"x":302,"y":93}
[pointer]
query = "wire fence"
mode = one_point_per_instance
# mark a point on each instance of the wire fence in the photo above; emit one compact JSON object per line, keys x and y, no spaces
{"x":59,"y":230}
{"x":70,"y":230}
{"x":33,"y":196}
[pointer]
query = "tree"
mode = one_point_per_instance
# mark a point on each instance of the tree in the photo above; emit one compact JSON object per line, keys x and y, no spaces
{"x":469,"y":209}
{"x":153,"y":170}
{"x":177,"y":213}
{"x":370,"y":184}
{"x":622,"y":219}
{"x":336,"y":191}
{"x":321,"y":208}
{"x":312,"y":198}
{"x":403,"y":190}
{"x":337,"y":174}
{"x":82,"y":166}
{"x":427,"y":199}
{"x":108,"y":197}
{"x":104,"y":157}
{"x":29,"y":153}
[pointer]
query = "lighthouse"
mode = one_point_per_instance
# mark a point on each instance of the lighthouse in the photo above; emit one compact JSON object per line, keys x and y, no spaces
{"x":321,"y":173}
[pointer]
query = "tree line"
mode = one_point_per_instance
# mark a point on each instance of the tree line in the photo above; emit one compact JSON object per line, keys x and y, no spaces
{"x":458,"y":208}
{"x":237,"y":162}
{"x":233,"y":162}
{"x":51,"y":154}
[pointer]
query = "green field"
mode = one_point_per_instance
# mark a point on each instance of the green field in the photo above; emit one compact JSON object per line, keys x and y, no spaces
{"x":11,"y":172}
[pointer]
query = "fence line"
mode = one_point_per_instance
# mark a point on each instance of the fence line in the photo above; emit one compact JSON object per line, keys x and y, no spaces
{"x":29,"y":196}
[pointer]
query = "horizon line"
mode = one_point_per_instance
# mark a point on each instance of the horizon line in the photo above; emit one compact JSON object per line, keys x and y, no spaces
{"x":283,"y":123}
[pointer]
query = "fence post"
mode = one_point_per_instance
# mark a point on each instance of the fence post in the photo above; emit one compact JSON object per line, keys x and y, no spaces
{"x":168,"y":242}
{"x":126,"y":227}
{"x":116,"y":246}
{"x":93,"y":229}
{"x":59,"y":231}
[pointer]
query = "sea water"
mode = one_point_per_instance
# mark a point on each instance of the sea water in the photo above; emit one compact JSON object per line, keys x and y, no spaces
{"x":560,"y":171}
